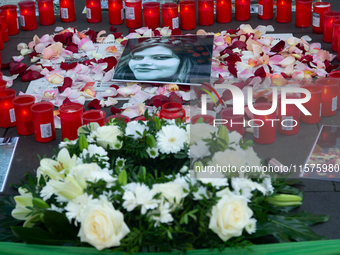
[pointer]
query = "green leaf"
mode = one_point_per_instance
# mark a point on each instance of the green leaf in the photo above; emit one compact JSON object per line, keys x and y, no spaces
{"x":308,"y":218}
{"x":58,"y":224}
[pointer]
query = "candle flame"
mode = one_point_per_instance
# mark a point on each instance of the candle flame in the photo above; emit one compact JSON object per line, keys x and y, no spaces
{"x":205,"y":6}
{"x":113,"y":5}
{"x":24,"y":112}
{"x":325,"y":91}
{"x":25,"y":11}
{"x":45,"y":5}
{"x":186,"y":8}
{"x":6,"y":104}
{"x":150,"y":12}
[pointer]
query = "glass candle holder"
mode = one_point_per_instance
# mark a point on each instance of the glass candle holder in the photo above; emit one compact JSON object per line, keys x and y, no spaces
{"x":242,"y":10}
{"x":94,"y":116}
{"x":116,"y":12}
{"x":233,"y":122}
{"x":303,"y":13}
{"x":2,"y":45}
{"x":206,"y":118}
{"x":28,"y":19}
{"x":70,"y":119}
{"x":4,"y":26}
{"x":187,"y":14}
{"x":11,"y":18}
{"x":319,"y":9}
{"x":171,"y":111}
{"x":7,"y":113}
{"x":133,"y":13}
{"x":118,"y":116}
{"x":338,"y":55}
{"x":46,"y":12}
{"x":205,"y":12}
{"x":289,"y":123}
{"x":329,"y":96}
{"x":266,"y":9}
{"x":67,"y":10}
{"x":223,"y":11}
{"x":283,"y":11}
{"x":93,"y":11}
{"x":336,"y":28}
{"x":313,"y":105}
{"x":336,"y":75}
{"x":43,"y":121}
{"x":23,"y":114}
{"x":152,"y":16}
{"x":3,"y":84}
{"x":170,"y":15}
{"x":329,"y":17}
{"x":264,"y":130}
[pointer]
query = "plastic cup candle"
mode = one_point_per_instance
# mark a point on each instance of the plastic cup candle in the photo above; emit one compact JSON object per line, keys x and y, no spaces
{"x":329,"y":96}
{"x":303,"y":13}
{"x":206,"y":118}
{"x":205,"y":12}
{"x":2,"y":45}
{"x":289,"y":123}
{"x":28,"y":20}
{"x":4,"y":26}
{"x":242,"y":10}
{"x":319,"y":9}
{"x":336,"y":28}
{"x":283,"y":11}
{"x":116,"y":12}
{"x":313,"y":105}
{"x":133,"y":13}
{"x":7,"y":113}
{"x":187,"y":14}
{"x":266,"y":9}
{"x":152,"y":16}
{"x":336,"y":75}
{"x":94,"y":116}
{"x":43,"y":121}
{"x":93,"y":11}
{"x":338,"y":46}
{"x":328,"y":20}
{"x":172,"y":110}
{"x":11,"y":18}
{"x":264,"y":126}
{"x":67,"y":10}
{"x":71,"y":120}
{"x":3,"y":84}
{"x":46,"y":12}
{"x":223,"y":11}
{"x":170,"y":15}
{"x":23,"y":114}
{"x":234,"y":122}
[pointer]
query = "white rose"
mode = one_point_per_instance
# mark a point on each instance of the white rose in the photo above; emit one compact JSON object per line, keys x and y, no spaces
{"x":107,"y":135}
{"x":230,"y":216}
{"x":101,"y":225}
{"x":201,"y":131}
{"x":172,"y":191}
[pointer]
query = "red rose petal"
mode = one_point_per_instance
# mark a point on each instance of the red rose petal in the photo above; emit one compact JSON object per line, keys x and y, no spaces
{"x":31,"y":75}
{"x":66,"y":66}
{"x":175,"y":98}
{"x":113,"y":29}
{"x":124,"y":42}
{"x":157,"y":33}
{"x":66,"y":101}
{"x":232,"y":69}
{"x":94,"y":104}
{"x":64,"y":38}
{"x":73,"y":48}
{"x":114,"y":86}
{"x":162,"y":98}
{"x":185,"y":88}
{"x":232,"y":31}
{"x":92,"y":34}
{"x":115,"y":110}
{"x":117,"y":35}
{"x":158,"y":103}
{"x":260,"y":72}
{"x":227,"y":50}
{"x":131,"y":30}
{"x":286,"y":76}
{"x":111,"y":61}
{"x":220,"y":80}
{"x":33,"y":54}
{"x":232,"y":59}
{"x":278,"y":47}
{"x":239,"y":44}
{"x":17,"y":68}
{"x":67,"y":84}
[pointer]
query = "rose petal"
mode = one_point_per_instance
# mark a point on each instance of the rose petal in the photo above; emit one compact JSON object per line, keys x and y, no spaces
{"x":94,"y":104}
{"x":67,"y":84}
{"x":31,"y":75}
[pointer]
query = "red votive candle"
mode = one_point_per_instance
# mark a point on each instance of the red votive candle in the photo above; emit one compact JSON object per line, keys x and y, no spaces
{"x":133,"y":13}
{"x":329,"y":96}
{"x":313,"y":105}
{"x":46,"y":12}
{"x":170,"y":15}
{"x":328,"y":18}
{"x":336,"y":27}
{"x":120,"y":117}
{"x":7,"y":113}
{"x":93,"y":11}
{"x":187,"y":14}
{"x":116,"y":12}
{"x":23,"y":114}
{"x":289,"y":123}
{"x":70,"y":119}
{"x":206,"y":119}
{"x":303,"y":13}
{"x":43,"y":121}
{"x":223,"y":11}
{"x":94,"y":116}
{"x":283,"y":11}
{"x":319,"y":9}
{"x":242,"y":10}
{"x":3,"y":84}
{"x":11,"y":18}
{"x":336,"y":75}
{"x":264,"y":126}
{"x":2,"y":45}
{"x":28,"y":19}
{"x":233,"y":122}
{"x":4,"y":26}
{"x":266,"y":9}
{"x":172,"y":110}
{"x":338,"y":46}
{"x":205,"y":12}
{"x":152,"y":16}
{"x":67,"y":10}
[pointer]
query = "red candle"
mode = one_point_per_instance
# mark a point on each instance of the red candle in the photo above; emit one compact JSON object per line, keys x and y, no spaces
{"x":336,"y":28}
{"x":152,"y":16}
{"x":3,"y":84}
{"x":223,"y":11}
{"x":329,"y":17}
{"x":170,"y":15}
{"x":313,"y":105}
{"x":2,"y":46}
{"x":67,"y":10}
{"x":172,"y":110}
{"x":264,"y":126}
{"x":289,"y":123}
{"x":120,"y":117}
{"x":23,"y":114}
{"x":242,"y":10}
{"x":46,"y":12}
{"x":28,"y":19}
{"x":303,"y":13}
{"x":283,"y":11}
{"x":206,"y":118}
{"x":4,"y":26}
{"x":70,"y":119}
{"x":336,"y":75}
{"x":7,"y":113}
{"x":205,"y":12}
{"x":266,"y":9}
{"x":233,"y":122}
{"x":43,"y":121}
{"x":116,"y":12}
{"x":94,"y":116}
{"x":319,"y":9}
{"x":329,"y":96}
{"x":11,"y":18}
{"x":133,"y":13}
{"x":93,"y":11}
{"x":187,"y":14}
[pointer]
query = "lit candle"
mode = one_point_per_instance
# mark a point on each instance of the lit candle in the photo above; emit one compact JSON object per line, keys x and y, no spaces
{"x":329,"y":96}
{"x":336,"y":27}
{"x":206,"y":119}
{"x":97,"y":116}
{"x":93,"y":11}
{"x":329,"y":17}
{"x":11,"y":18}
{"x":223,"y":11}
{"x":152,"y":15}
{"x":133,"y":13}
{"x":43,"y":121}
{"x":46,"y":12}
{"x":289,"y":123}
{"x":172,"y":110}
{"x":319,"y":9}
{"x":23,"y":114}
{"x":116,"y":12}
{"x":266,"y":9}
{"x":264,"y":126}
{"x":233,"y":122}
{"x":187,"y":14}
{"x":283,"y":11}
{"x":303,"y":13}
{"x":4,"y":26}
{"x":70,"y":120}
{"x":170,"y":15}
{"x":67,"y":10}
{"x":336,"y":75}
{"x":205,"y":12}
{"x":242,"y":10}
{"x":28,"y":19}
{"x":7,"y":114}
{"x":2,"y":46}
{"x":313,"y":105}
